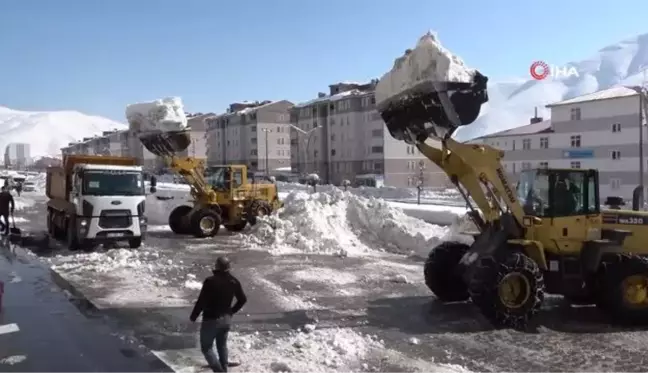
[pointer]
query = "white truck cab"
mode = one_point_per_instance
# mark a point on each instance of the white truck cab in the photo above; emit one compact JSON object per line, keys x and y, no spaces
{"x":104,"y":203}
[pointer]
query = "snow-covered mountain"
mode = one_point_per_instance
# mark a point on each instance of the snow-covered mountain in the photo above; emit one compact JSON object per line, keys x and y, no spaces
{"x":511,"y":104}
{"x":48,"y":131}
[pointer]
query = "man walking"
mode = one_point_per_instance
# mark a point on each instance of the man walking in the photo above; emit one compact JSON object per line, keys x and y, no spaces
{"x":215,"y":304}
{"x":7,"y":206}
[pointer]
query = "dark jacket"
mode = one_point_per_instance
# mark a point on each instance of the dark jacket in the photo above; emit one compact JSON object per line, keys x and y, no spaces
{"x":216,"y":296}
{"x":6,"y":200}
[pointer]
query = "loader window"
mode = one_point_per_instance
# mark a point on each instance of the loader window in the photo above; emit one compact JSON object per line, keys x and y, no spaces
{"x":574,"y":193}
{"x":533,"y":192}
{"x":215,"y":176}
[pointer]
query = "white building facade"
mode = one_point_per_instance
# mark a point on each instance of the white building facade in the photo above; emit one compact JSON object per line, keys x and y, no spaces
{"x":343,"y":137}
{"x":595,"y":131}
{"x":17,"y":155}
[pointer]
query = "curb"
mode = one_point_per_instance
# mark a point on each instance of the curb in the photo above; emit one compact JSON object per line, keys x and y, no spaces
{"x":79,"y":298}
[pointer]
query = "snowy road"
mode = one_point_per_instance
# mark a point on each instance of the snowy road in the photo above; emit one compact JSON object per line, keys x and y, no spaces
{"x":371,"y":312}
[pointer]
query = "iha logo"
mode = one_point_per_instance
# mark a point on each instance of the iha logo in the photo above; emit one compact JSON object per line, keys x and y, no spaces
{"x":540,"y":70}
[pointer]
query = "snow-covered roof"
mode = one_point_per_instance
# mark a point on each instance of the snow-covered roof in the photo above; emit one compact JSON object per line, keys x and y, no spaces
{"x":335,"y":97}
{"x":529,"y":129}
{"x":605,"y":94}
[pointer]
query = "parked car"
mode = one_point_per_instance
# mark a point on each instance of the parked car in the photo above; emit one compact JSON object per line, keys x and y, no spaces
{"x":29,"y":186}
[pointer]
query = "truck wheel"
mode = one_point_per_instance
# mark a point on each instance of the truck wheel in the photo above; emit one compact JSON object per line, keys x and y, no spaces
{"x":625,"y":290}
{"x":71,"y":237}
{"x":440,"y":272}
{"x":88,"y":247}
{"x":176,"y":219}
{"x":257,"y":208}
{"x":135,"y":243}
{"x":205,"y":223}
{"x":508,"y":291}
{"x":236,"y":227}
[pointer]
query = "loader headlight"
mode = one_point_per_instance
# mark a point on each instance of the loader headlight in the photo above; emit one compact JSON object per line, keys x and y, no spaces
{"x":142,"y":220}
{"x":83,"y":223}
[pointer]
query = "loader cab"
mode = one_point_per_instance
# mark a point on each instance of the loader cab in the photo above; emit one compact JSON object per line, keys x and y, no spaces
{"x":226,"y":178}
{"x":554,"y":193}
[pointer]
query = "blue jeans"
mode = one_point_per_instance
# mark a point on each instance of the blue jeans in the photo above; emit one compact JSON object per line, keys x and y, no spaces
{"x":215,"y":330}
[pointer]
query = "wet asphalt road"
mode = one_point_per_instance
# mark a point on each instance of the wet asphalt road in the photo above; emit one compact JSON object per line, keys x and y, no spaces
{"x":41,"y":331}
{"x":359,"y":295}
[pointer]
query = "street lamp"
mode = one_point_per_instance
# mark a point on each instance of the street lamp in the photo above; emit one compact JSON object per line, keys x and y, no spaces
{"x":267,"y":131}
{"x":308,"y":134}
{"x":640,"y":90}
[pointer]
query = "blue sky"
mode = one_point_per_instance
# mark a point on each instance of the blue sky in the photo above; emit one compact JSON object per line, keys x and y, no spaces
{"x":98,"y":56}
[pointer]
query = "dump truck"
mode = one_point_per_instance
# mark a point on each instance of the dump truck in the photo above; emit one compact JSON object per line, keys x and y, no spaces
{"x":96,"y":200}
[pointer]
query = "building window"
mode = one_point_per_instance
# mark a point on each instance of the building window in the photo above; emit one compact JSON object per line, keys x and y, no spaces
{"x":333,"y":137}
{"x":544,"y":143}
{"x":526,"y":165}
{"x":526,"y":144}
{"x":332,"y":152}
{"x":616,"y":154}
{"x":376,"y":149}
{"x":378,"y":166}
{"x":575,"y":113}
{"x":253,"y":140}
{"x":252,"y":129}
{"x":615,"y":184}
{"x":575,"y":141}
{"x":543,"y":165}
{"x":575,"y":165}
{"x":377,"y":133}
{"x":616,"y":127}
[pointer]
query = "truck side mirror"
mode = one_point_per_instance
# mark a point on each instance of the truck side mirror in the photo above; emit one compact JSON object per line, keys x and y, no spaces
{"x":153,"y":188}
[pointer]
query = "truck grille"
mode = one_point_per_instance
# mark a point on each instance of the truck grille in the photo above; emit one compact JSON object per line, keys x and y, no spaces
{"x":115,"y":219}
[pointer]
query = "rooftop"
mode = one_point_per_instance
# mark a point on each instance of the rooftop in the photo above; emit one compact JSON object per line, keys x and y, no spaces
{"x":605,"y":94}
{"x":349,"y":89}
{"x":529,"y":129}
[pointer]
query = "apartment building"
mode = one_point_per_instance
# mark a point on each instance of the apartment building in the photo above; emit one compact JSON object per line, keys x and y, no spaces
{"x":256,"y":134}
{"x":346,"y":139}
{"x":597,"y":131}
{"x":17,"y":155}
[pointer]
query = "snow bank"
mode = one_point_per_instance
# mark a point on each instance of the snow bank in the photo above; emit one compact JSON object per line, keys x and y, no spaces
{"x":340,"y":223}
{"x":428,"y":62}
{"x":164,"y":115}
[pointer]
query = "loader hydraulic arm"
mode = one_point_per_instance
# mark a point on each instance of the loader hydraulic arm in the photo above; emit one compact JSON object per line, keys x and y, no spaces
{"x":167,"y":146}
{"x":477,"y":171}
{"x":192,"y":171}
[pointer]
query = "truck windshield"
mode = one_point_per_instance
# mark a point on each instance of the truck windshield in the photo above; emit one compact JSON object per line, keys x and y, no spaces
{"x":112,"y":183}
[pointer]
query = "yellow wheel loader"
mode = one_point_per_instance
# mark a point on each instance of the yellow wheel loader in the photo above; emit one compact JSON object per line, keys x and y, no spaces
{"x":222,"y":195}
{"x":548,"y":234}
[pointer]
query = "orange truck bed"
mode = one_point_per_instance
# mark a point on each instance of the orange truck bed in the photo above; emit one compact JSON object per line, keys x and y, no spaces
{"x":58,"y":182}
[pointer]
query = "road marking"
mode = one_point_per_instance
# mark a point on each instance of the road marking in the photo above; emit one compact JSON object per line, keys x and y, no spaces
{"x":9,"y":328}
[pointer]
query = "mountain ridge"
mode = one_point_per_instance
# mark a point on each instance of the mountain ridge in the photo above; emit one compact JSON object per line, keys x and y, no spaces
{"x":512,"y":104}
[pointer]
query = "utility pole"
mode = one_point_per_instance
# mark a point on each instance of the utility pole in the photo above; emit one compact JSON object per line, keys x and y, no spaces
{"x":266,"y":130}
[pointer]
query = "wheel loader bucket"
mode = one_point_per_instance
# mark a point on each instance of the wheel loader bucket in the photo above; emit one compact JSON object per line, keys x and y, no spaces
{"x":166,"y":143}
{"x":433,"y":109}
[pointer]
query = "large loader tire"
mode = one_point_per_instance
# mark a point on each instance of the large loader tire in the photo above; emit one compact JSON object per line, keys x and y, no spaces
{"x":625,"y":290}
{"x":508,"y":289}
{"x":205,"y":223}
{"x":176,"y":220}
{"x":440,"y":272}
{"x":257,"y":208}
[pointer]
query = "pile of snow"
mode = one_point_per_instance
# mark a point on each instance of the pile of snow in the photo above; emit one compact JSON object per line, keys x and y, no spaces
{"x":48,"y":132}
{"x":163,"y":115}
{"x":428,"y":62}
{"x":341,"y":223}
{"x":385,"y":192}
